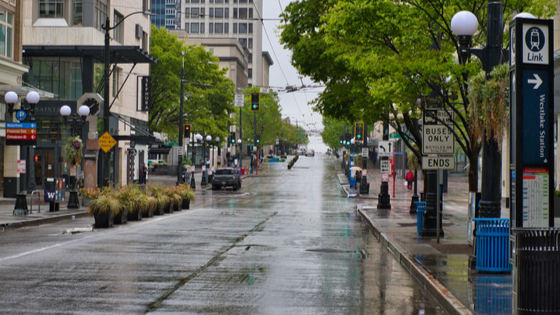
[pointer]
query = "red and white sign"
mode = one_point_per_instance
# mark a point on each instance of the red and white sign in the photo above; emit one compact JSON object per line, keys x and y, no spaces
{"x":384,"y":177}
{"x":21,"y":166}
{"x":20,"y":137}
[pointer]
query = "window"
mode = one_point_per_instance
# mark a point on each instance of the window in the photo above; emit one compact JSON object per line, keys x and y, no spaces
{"x":187,"y":12}
{"x":219,"y":27}
{"x":219,"y":12}
{"x":51,"y":9}
{"x":250,"y":13}
{"x":211,"y":12}
{"x":169,"y":21}
{"x":194,"y":1}
{"x":242,"y":41}
{"x":118,"y":31}
{"x":77,"y":12}
{"x":242,"y":1}
{"x":226,"y":28}
{"x":250,"y":58}
{"x":211,"y":50}
{"x":194,"y":13}
{"x":202,"y":12}
{"x":250,"y":73}
{"x":169,"y":11}
{"x":234,"y":28}
{"x":186,"y":27}
{"x":101,"y":16}
{"x":250,"y":43}
{"x":243,"y":13}
{"x":210,"y":28}
{"x":219,"y":1}
{"x":145,"y":43}
{"x":202,"y":27}
{"x":194,"y":27}
{"x":226,"y":13}
{"x":243,"y":28}
{"x":235,"y":13}
{"x":250,"y":28}
{"x":6,"y":34}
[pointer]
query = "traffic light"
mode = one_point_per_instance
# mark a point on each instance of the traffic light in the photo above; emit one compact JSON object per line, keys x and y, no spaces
{"x":255,"y":101}
{"x":341,"y":140}
{"x":359,"y":129}
{"x":186,"y":131}
{"x":348,"y":138}
{"x":232,"y":138}
{"x":258,"y":138}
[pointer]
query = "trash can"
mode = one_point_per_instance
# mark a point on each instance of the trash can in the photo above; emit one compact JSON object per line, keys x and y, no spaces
{"x":492,"y":245}
{"x":537,"y":259}
{"x":242,"y":171}
{"x":420,"y":208}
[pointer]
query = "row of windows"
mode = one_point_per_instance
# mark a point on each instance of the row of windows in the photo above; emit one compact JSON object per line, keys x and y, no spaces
{"x":220,"y":28}
{"x":241,"y":13}
{"x":219,"y":1}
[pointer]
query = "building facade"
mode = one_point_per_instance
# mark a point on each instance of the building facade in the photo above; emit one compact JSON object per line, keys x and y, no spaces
{"x":63,"y":43}
{"x":238,"y":19}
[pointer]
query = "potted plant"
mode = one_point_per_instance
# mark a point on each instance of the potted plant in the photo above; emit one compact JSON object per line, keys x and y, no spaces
{"x":161,"y":199}
{"x":151,"y":204}
{"x":186,"y":193}
{"x":89,"y":194}
{"x":103,"y":210}
{"x":129,"y":197}
{"x":169,"y":193}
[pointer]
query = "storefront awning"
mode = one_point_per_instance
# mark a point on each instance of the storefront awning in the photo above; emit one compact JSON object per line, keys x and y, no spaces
{"x":144,"y":140}
{"x":163,"y":150}
{"x":23,"y":90}
{"x":119,"y":54}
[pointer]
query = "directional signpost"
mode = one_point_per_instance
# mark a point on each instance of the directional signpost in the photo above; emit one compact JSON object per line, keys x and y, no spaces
{"x":21,"y":134}
{"x":385,"y":148}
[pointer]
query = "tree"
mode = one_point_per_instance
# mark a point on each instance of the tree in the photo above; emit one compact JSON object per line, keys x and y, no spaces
{"x":388,"y":60}
{"x":268,"y":118}
{"x":332,"y":131}
{"x":208,"y":92}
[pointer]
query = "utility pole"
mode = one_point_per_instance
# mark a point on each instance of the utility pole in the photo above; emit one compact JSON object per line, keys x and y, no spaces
{"x":181,"y":106}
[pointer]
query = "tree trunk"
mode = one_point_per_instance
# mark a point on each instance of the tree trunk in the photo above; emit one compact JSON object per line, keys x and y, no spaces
{"x":473,"y":172}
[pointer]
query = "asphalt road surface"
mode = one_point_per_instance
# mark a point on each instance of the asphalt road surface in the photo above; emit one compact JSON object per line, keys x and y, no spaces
{"x":288,"y":242}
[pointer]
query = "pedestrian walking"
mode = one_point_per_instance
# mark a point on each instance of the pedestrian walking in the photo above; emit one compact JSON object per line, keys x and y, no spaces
{"x":145,"y":173}
{"x":358,"y":181}
{"x":409,"y":179}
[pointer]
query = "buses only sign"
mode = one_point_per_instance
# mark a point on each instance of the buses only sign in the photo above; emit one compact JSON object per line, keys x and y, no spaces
{"x":437,"y":137}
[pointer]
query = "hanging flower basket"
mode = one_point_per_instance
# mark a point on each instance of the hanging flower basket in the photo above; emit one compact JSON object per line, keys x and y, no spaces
{"x":73,"y":150}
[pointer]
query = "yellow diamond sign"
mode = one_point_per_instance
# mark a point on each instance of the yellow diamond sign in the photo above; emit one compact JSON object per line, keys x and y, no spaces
{"x":106,"y":142}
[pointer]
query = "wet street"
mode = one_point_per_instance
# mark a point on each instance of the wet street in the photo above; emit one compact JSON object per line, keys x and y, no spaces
{"x":288,"y":242}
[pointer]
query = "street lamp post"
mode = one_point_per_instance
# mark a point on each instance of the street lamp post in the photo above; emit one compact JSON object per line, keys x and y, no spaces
{"x":106,"y":104}
{"x":196,"y":138}
{"x":181,"y":119}
{"x":464,"y":24}
{"x":11,"y":98}
{"x":80,"y":117}
{"x":240,"y":155}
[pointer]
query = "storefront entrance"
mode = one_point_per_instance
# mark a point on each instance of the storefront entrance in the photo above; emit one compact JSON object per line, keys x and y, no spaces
{"x":45,"y":166}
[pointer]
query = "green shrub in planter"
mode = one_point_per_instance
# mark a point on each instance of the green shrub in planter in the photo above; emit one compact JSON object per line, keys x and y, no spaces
{"x":104,"y":209}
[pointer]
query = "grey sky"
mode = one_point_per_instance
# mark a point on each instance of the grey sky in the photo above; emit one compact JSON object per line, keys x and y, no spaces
{"x":282,"y":73}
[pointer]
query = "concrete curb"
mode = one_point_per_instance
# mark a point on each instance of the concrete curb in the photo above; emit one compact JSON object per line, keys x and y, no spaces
{"x":40,"y":221}
{"x":451,"y":304}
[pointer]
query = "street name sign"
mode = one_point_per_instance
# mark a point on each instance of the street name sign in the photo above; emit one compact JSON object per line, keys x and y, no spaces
{"x":106,"y":142}
{"x":385,"y":148}
{"x":440,"y":162}
{"x":21,"y":134}
{"x":437,"y":137}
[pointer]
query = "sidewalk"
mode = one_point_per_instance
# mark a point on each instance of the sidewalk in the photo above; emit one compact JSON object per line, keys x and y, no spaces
{"x":441,"y":268}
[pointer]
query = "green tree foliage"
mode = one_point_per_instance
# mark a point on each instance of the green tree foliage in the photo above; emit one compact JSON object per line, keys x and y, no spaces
{"x":208,"y":93}
{"x":332,"y":131}
{"x":387,"y":60}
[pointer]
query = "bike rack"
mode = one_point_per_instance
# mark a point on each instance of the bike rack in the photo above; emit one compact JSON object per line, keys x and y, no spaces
{"x":38,"y":200}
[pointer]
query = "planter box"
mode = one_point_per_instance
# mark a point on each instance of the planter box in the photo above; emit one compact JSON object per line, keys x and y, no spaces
{"x":134,"y":215}
{"x":86,"y":202}
{"x":168,"y":208}
{"x":121,"y":217}
{"x":104,"y":220}
{"x":159,"y":210}
{"x":147,"y":213}
{"x":179,"y":206}
{"x":186,"y":204}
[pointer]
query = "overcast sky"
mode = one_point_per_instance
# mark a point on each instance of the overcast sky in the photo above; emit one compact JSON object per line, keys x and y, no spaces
{"x":282,"y":73}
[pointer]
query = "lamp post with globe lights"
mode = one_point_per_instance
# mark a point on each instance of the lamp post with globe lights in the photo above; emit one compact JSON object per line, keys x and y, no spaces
{"x":27,"y":109}
{"x":464,"y":25}
{"x":77,"y":119}
{"x":240,"y":155}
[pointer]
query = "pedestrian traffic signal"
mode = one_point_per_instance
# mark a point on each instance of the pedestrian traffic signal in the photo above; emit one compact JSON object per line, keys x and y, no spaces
{"x":232,"y":138}
{"x":187,"y":131}
{"x":258,"y":139}
{"x":359,"y":130}
{"x":255,"y":101}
